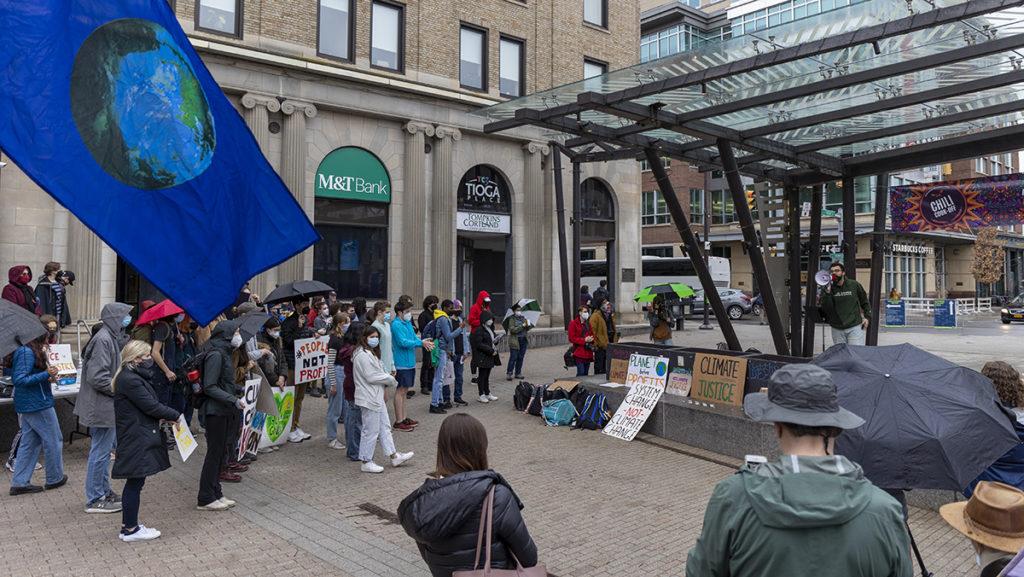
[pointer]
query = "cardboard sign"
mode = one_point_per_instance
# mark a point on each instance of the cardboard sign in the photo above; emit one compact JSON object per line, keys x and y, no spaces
{"x":275,"y":429}
{"x":183,"y":439}
{"x":564,"y":385}
{"x":249,"y":440}
{"x":310,"y":359}
{"x":617,"y":369}
{"x":719,"y":379}
{"x":59,"y":356}
{"x":646,"y":380}
{"x":679,"y":381}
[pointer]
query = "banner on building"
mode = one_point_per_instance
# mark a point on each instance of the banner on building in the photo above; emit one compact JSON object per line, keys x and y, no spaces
{"x":958,"y":204}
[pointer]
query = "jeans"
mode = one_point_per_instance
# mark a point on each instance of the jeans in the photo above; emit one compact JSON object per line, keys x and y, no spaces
{"x":459,"y":366}
{"x":97,"y":472}
{"x":483,"y":381}
{"x":353,"y":429}
{"x":130,"y":498}
{"x":209,"y":479}
{"x":515,"y":358}
{"x":376,"y":426}
{"x":437,"y":390}
{"x":335,"y":404}
{"x":851,"y":336}
{"x":582,"y":368}
{"x":39,"y":431}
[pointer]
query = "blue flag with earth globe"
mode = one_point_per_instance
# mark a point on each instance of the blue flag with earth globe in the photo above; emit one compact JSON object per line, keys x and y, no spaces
{"x":107,"y":107}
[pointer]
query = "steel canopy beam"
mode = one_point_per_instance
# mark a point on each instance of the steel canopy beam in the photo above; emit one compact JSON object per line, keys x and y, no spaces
{"x":981,"y":84}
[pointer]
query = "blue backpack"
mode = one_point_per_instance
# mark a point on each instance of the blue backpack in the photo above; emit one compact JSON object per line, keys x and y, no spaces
{"x":559,"y":413}
{"x":595,"y":413}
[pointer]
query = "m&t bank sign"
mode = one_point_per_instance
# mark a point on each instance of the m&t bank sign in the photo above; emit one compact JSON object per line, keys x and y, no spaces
{"x":353,"y":173}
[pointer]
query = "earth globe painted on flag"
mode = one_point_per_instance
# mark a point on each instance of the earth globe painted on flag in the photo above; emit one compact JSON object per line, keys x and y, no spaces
{"x":138,"y":106}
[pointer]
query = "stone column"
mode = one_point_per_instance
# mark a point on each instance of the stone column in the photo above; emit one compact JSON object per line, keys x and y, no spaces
{"x":293,"y":172}
{"x":256,"y":111}
{"x":414,"y":199}
{"x":85,"y":258}
{"x":442,"y":233}
{"x":529,"y":246}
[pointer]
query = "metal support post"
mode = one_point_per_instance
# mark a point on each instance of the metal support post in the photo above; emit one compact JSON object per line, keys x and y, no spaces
{"x":567,"y":312}
{"x":577,"y":226}
{"x":764,"y":284}
{"x":849,"y":228}
{"x":706,"y":325}
{"x":693,"y":249}
{"x":813,"y":260}
{"x":877,"y":260}
{"x":793,"y":253}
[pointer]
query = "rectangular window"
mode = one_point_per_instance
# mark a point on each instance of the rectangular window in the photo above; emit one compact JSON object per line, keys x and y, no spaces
{"x":596,"y":12}
{"x":654,"y":211}
{"x":337,"y":29}
{"x":221,"y":16}
{"x":658,"y":251}
{"x":386,"y":36}
{"x":511,"y":67}
{"x":473,"y":58}
{"x":588,"y":254}
{"x":696,"y":206}
{"x":592,"y":68}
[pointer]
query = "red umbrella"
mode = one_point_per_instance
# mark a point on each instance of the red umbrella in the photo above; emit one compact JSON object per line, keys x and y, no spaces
{"x":164,"y":308}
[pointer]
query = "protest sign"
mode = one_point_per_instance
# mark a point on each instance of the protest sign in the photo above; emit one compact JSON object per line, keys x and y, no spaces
{"x":275,"y":429}
{"x":895,"y":313}
{"x":183,"y":439}
{"x":310,"y":359}
{"x":646,"y":379}
{"x":249,"y":440}
{"x":719,"y":379}
{"x":679,"y":381}
{"x":60,"y":357}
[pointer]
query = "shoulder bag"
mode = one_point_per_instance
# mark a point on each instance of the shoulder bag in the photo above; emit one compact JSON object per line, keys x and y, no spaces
{"x":487,"y":520}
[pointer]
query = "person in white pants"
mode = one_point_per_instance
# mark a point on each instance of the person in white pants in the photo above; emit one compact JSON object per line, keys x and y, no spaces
{"x":370,"y":380}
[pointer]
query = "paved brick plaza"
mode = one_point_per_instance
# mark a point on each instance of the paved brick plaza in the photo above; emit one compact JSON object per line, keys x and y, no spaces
{"x":596,"y":506}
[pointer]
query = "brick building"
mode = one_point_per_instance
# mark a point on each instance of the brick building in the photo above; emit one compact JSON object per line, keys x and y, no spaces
{"x":384,"y":92}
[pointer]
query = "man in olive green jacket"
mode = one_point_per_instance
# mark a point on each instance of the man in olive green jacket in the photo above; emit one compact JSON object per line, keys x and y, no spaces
{"x":844,"y":306}
{"x":810,"y":513}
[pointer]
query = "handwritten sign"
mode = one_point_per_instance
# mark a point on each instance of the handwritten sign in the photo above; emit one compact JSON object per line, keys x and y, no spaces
{"x":60,"y":357}
{"x":249,"y":440}
{"x":646,"y":380}
{"x":275,"y":429}
{"x":183,"y":439}
{"x":310,"y":359}
{"x":679,"y":381}
{"x":718,"y":379}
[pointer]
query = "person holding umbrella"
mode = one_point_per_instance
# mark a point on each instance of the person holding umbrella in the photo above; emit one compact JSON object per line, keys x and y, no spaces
{"x":661,"y":321}
{"x":993,"y":521}
{"x":809,"y":513}
{"x":1009,"y":469}
{"x":517,"y":326}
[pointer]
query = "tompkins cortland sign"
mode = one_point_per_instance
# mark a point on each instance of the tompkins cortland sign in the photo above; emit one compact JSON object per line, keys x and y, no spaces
{"x":352,"y":173}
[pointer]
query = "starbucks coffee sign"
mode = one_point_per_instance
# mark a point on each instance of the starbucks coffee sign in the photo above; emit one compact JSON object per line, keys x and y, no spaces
{"x":352,"y":173}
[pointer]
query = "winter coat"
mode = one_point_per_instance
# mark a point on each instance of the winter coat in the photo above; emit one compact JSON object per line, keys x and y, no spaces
{"x":32,"y":392}
{"x":100,"y":360}
{"x":272,"y":367}
{"x":404,"y":343}
{"x":344,"y":358}
{"x":387,"y":357}
{"x":1008,"y":469}
{"x":443,"y":516}
{"x":661,"y":327}
{"x":423,"y":320}
{"x":48,"y":293}
{"x":370,"y":379}
{"x":845,"y":306}
{"x":578,"y":332}
{"x":801,"y":517}
{"x":140,"y":445}
{"x":320,"y":323}
{"x":482,"y":344}
{"x":219,"y":373}
{"x":476,"y":310}
{"x":19,"y":293}
{"x":517,"y":329}
{"x":603,"y":330}
{"x":290,"y":330}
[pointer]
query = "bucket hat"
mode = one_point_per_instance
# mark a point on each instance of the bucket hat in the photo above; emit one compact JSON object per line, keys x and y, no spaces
{"x":993,"y":517}
{"x":801,"y":394}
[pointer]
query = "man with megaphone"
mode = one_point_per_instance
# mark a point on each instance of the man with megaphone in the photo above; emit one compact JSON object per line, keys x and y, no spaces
{"x":844,"y":305}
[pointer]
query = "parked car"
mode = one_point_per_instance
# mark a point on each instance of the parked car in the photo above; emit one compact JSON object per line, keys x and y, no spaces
{"x":737,"y":303}
{"x":1013,"y":310}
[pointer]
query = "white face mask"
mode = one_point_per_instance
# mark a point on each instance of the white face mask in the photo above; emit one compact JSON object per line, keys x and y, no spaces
{"x":490,"y":323}
{"x":236,"y":341}
{"x":325,"y":312}
{"x":179,"y":318}
{"x":274,"y":334}
{"x":407,"y":317}
{"x":584,"y":315}
{"x":373,"y":342}
{"x":344,"y":329}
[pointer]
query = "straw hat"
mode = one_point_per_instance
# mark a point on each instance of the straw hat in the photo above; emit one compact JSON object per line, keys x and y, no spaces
{"x":993,"y":517}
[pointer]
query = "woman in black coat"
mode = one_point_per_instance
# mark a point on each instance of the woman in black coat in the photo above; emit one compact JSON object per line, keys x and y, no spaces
{"x":140,"y":446}
{"x":481,"y":341}
{"x":443,"y":515}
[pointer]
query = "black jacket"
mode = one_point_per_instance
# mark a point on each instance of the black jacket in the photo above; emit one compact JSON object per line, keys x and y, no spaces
{"x":47,"y":299}
{"x":219,"y":372}
{"x":483,"y":347}
{"x":137,"y":412}
{"x":290,"y":330}
{"x":443,"y":516}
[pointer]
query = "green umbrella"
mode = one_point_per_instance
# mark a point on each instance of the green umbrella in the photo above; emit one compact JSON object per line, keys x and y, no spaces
{"x":669,"y":290}
{"x":531,"y":310}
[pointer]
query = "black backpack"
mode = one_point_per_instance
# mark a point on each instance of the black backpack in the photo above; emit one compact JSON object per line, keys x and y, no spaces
{"x":568,"y":359}
{"x":535,"y":406}
{"x":521,"y":398}
{"x":578,"y":395}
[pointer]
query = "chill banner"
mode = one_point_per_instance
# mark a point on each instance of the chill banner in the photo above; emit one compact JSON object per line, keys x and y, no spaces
{"x":958,"y":204}
{"x":646,"y":379}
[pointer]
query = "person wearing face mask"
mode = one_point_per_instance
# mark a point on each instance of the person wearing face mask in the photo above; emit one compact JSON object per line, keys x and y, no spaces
{"x":140,"y":451}
{"x":322,"y":321}
{"x":844,"y":306}
{"x":602,"y":326}
{"x":218,"y":410}
{"x":404,"y":343}
{"x":335,"y":381}
{"x":430,"y":304}
{"x":443,"y":354}
{"x":518,"y":326}
{"x":484,"y":355}
{"x":661,"y":322}
{"x":461,"y":335}
{"x":51,"y":295}
{"x":371,"y":380}
{"x":382,"y":317}
{"x":52,"y":330}
{"x":94,"y":408}
{"x":17,"y":290}
{"x":582,"y":341}
{"x":294,"y":327}
{"x":272,"y":362}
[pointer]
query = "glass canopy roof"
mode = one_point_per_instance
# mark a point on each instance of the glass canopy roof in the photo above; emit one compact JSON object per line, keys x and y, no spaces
{"x":959,"y":67}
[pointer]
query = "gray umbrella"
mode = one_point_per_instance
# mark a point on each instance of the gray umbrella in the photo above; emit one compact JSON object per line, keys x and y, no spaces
{"x":17,"y":327}
{"x":297,"y":289}
{"x":931,"y":424}
{"x":251,"y":323}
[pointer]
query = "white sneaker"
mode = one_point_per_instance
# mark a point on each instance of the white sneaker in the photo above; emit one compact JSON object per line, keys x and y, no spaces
{"x":492,"y":398}
{"x":228,"y":502}
{"x":217,"y":505}
{"x":336,"y":445}
{"x":371,"y":467}
{"x":295,"y":437}
{"x":304,"y":434}
{"x":143,"y":534}
{"x":400,"y":458}
{"x":276,"y":448}
{"x":484,"y":399}
{"x":265,"y":450}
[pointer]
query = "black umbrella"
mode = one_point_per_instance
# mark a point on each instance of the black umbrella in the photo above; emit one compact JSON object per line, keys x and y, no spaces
{"x":297,"y":289}
{"x":931,"y":424}
{"x":251,"y":323}
{"x":17,"y":327}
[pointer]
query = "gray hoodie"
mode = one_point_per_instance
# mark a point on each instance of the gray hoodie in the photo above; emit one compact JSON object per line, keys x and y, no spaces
{"x":100,"y":360}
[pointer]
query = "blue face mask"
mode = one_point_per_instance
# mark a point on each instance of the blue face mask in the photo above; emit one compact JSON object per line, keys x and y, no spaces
{"x":126,"y":321}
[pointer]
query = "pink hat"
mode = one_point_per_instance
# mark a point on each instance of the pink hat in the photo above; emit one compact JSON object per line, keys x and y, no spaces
{"x":456,"y":304}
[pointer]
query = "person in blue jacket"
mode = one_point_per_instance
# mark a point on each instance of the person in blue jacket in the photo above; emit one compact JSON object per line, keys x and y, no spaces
{"x":1008,"y":469}
{"x":404,"y":343}
{"x":33,"y":401}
